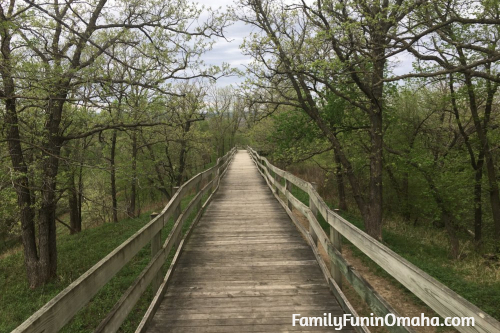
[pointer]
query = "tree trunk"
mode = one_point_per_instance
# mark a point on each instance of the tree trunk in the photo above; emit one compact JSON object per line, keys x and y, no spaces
{"x":23,"y":189}
{"x":47,"y":212}
{"x":21,"y":181}
{"x":476,"y":165}
{"x":373,"y":222}
{"x":450,"y":226}
{"x":481,"y":129}
{"x":162,"y":186}
{"x":80,"y":192}
{"x":493,"y":190}
{"x":41,"y":265}
{"x":75,"y":221}
{"x":406,"y":196}
{"x":478,"y":207}
{"x":133,"y":186}
{"x":340,"y":182}
{"x":114,"y":200}
{"x":183,"y":156}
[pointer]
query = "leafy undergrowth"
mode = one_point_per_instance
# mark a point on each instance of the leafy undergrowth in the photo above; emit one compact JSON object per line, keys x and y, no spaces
{"x":473,"y":277}
{"x":76,"y":254}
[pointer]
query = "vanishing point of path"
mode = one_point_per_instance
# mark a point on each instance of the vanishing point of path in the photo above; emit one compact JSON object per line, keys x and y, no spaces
{"x":245,"y":267}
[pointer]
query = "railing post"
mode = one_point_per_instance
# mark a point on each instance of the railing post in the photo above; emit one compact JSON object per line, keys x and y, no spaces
{"x":198,"y":188}
{"x":178,"y":209}
{"x":177,"y":213}
{"x":276,"y":180}
{"x":155,"y":247}
{"x":314,"y":211}
{"x":216,"y":174}
{"x":210,"y":178}
{"x":288,"y":186}
{"x":336,"y":240}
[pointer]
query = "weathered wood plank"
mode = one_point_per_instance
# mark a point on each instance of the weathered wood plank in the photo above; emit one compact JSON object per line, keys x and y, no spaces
{"x":264,"y":301}
{"x":239,"y":314}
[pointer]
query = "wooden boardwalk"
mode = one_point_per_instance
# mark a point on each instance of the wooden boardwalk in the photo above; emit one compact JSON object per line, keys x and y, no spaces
{"x":245,"y":268}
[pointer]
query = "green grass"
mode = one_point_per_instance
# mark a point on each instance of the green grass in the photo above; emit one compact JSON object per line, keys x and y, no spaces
{"x":76,"y":254}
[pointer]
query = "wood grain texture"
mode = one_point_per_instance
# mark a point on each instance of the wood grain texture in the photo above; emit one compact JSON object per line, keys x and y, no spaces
{"x":245,"y":267}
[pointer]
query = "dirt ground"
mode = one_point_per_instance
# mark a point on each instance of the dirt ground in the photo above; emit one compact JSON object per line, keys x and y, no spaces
{"x":392,"y":293}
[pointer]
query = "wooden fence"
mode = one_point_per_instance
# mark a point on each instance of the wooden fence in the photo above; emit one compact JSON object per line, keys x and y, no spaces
{"x":62,"y":308}
{"x":437,"y":296}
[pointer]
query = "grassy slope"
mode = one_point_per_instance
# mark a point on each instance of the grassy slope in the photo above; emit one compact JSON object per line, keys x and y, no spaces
{"x":77,"y":254}
{"x":471,"y":277}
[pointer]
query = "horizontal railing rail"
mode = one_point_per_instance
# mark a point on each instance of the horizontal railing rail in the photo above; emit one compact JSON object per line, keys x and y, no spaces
{"x":436,"y":295}
{"x":63,"y":307}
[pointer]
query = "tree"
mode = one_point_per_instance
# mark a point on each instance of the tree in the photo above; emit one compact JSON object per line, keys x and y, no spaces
{"x":59,"y":48}
{"x":462,"y":47}
{"x":224,"y":111}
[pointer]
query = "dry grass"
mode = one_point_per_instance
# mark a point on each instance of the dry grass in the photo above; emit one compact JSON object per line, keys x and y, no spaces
{"x":11,"y":251}
{"x":472,"y":266}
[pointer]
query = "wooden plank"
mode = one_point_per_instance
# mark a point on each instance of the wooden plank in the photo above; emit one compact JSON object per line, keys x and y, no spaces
{"x":258,"y":302}
{"x":314,"y":212}
{"x":155,"y":247}
{"x":318,"y":202}
{"x":336,"y":241}
{"x":289,"y":187}
{"x":297,"y":204}
{"x":243,"y":314}
{"x":318,"y":230}
{"x":172,"y":310}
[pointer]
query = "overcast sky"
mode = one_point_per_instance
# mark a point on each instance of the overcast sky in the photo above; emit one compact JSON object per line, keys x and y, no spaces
{"x":229,"y":51}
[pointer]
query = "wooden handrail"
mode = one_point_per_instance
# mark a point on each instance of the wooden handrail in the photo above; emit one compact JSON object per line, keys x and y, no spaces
{"x":63,"y":307}
{"x":143,"y":325}
{"x":436,"y":295}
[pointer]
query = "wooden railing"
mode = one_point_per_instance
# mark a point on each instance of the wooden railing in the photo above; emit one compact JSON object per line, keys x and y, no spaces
{"x":62,"y":308}
{"x":437,"y":296}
